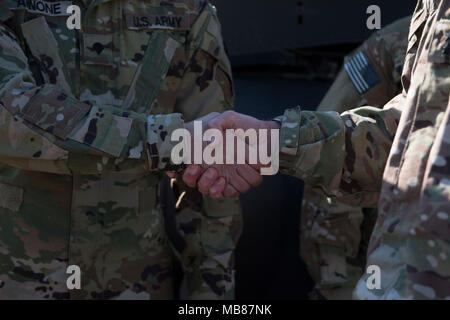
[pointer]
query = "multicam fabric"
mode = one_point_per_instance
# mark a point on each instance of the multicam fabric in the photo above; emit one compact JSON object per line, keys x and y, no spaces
{"x":85,"y":124}
{"x":333,"y":235}
{"x":396,"y":157}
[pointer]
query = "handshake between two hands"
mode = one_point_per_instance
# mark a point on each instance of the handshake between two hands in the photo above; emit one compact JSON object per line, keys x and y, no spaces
{"x":249,"y":146}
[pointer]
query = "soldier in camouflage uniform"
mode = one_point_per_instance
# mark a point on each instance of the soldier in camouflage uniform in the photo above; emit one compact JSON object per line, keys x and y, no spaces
{"x":397,"y":157}
{"x":85,"y":123}
{"x":334,"y":235}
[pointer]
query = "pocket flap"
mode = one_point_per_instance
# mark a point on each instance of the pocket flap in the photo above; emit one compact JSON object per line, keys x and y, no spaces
{"x":45,"y":48}
{"x":151,"y":73}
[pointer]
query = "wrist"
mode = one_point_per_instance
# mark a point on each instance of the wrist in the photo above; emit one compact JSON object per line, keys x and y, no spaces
{"x":189,"y":142}
{"x":272,"y":124}
{"x":189,"y":126}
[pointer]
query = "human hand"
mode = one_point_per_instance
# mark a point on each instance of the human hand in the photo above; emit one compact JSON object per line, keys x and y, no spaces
{"x":189,"y":126}
{"x":231,"y":180}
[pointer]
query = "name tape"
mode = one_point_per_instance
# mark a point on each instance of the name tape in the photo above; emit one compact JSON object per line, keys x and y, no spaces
{"x":169,"y":22}
{"x":57,"y":8}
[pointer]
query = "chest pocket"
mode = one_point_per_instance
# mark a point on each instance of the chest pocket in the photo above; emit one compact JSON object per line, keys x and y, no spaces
{"x":440,"y":44}
{"x":133,"y":44}
{"x":151,"y":72}
{"x":50,"y":45}
{"x":45,"y":48}
{"x":167,"y":28}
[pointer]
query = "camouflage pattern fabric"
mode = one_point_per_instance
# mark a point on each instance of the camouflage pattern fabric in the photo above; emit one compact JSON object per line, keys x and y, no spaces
{"x":397,"y":158}
{"x":85,"y":124}
{"x":334,"y":236}
{"x":210,"y":249}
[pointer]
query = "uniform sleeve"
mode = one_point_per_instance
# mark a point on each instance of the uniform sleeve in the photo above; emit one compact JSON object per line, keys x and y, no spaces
{"x":45,"y":122}
{"x":343,"y":155}
{"x":382,"y":57}
{"x":211,"y":228}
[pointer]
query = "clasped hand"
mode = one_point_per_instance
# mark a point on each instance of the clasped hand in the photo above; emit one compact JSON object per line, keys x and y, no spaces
{"x":232,"y":176}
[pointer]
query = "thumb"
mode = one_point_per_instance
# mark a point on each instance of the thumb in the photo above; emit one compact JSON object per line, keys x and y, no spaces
{"x":223,"y":121}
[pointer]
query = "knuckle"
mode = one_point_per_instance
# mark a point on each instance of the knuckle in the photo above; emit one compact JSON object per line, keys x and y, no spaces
{"x":229,"y":114}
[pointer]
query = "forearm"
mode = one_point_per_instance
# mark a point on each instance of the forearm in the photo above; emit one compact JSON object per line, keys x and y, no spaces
{"x":341,"y":155}
{"x":47,"y":123}
{"x":103,"y":132}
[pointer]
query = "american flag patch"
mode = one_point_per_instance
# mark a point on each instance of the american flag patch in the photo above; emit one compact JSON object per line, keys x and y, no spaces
{"x":361,"y":72}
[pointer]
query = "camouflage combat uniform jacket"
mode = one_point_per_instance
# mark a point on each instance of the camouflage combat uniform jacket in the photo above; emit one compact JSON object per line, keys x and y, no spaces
{"x":409,"y":140}
{"x":85,"y":123}
{"x":334,"y":235}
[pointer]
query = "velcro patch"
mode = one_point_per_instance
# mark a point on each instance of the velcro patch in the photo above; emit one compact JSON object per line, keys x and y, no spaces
{"x":361,"y":73}
{"x":57,"y":8}
{"x":55,"y":112}
{"x":11,"y":197}
{"x":158,"y":21}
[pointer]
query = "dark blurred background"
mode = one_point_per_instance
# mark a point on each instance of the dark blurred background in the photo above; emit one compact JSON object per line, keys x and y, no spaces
{"x":286,"y":53}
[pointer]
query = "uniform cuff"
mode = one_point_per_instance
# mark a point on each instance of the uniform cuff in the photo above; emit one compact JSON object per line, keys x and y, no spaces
{"x":289,"y":136}
{"x":159,"y":142}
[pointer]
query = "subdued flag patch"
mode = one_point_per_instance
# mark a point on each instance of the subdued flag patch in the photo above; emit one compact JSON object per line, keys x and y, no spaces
{"x":361,"y":73}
